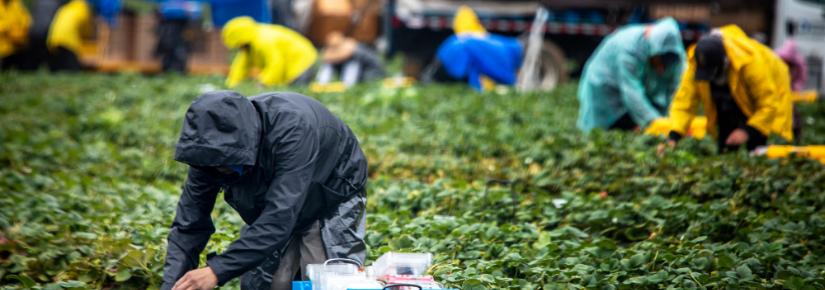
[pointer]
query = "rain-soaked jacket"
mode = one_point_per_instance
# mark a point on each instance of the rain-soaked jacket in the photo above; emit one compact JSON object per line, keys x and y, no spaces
{"x":71,"y":21}
{"x":306,"y":166}
{"x":618,"y":78}
{"x":280,"y":53}
{"x":15,"y":21}
{"x":474,"y":56}
{"x":758,"y":80}
{"x":472,"y":53}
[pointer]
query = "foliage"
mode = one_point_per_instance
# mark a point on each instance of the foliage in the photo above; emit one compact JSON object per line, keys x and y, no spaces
{"x":500,"y":186}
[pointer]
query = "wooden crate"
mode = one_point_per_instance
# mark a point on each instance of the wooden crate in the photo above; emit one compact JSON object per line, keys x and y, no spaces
{"x":208,"y":55}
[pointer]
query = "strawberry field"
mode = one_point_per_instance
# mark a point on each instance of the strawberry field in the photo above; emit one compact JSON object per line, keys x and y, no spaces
{"x":500,"y":186}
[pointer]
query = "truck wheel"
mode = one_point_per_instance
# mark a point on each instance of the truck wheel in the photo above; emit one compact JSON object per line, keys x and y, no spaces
{"x":552,"y":66}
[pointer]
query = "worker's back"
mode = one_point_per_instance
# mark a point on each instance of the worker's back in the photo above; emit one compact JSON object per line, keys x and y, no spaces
{"x":70,"y":21}
{"x":295,"y":51}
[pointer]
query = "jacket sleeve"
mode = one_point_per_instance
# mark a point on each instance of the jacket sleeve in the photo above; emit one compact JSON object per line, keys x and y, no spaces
{"x":239,"y":68}
{"x":191,"y":228}
{"x":632,"y":91}
{"x":765,"y":96}
{"x":296,"y":151}
{"x":274,"y":73}
{"x":685,"y":102}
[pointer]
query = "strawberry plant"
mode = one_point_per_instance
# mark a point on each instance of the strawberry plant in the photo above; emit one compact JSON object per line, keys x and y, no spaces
{"x":499,"y":186}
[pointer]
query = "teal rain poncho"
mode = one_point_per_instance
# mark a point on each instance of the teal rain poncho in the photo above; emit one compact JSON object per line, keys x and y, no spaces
{"x":618,"y":78}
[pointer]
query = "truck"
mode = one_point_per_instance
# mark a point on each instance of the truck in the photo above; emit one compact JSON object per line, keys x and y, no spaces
{"x":415,"y":28}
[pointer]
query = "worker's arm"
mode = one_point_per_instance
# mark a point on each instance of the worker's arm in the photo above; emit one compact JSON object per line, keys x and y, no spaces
{"x":632,"y":90}
{"x":192,"y":226}
{"x":296,"y":151}
{"x":765,"y":97}
{"x":274,"y":71}
{"x":685,"y":103}
{"x":239,"y":69}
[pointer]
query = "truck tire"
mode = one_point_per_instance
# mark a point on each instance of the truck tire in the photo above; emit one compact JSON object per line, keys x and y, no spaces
{"x":552,"y":66}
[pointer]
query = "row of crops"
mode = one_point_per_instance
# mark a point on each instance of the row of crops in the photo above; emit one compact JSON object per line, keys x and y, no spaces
{"x":500,"y":186}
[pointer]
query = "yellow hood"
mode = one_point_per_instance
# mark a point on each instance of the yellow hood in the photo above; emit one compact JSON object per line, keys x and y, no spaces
{"x":466,"y":21}
{"x":239,"y":31}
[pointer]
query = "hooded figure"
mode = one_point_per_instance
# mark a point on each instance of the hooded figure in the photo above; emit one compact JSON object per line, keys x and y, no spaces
{"x":743,"y":85}
{"x":474,"y":55}
{"x":292,"y":170}
{"x":789,"y":53}
{"x":71,"y":23}
{"x":283,"y":56}
{"x":629,"y":80}
{"x":15,"y":21}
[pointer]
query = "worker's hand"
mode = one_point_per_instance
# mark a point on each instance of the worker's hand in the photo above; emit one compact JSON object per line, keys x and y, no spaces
{"x":664,"y":146}
{"x":200,"y":279}
{"x":737,"y":137}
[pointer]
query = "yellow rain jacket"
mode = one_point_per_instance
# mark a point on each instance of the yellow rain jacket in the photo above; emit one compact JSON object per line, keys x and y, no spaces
{"x":466,"y":22}
{"x":759,"y":82}
{"x":15,"y":21}
{"x":71,"y":21}
{"x":280,"y":54}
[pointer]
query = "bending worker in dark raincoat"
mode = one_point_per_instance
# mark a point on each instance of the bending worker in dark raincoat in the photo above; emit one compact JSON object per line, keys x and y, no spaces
{"x":292,"y":170}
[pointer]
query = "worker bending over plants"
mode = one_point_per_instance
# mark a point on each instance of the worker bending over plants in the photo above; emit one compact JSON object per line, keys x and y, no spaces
{"x":744,"y":87}
{"x":281,"y":55}
{"x":14,"y":29}
{"x":628,"y":82}
{"x":293,"y":171}
{"x":473,"y":55}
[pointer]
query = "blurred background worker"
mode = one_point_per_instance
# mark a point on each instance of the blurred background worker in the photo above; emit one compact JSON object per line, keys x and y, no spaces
{"x":352,"y":61}
{"x":789,"y":53}
{"x":73,"y":22}
{"x":282,"y":55}
{"x":173,"y":44}
{"x":629,"y":80}
{"x":15,"y":21}
{"x":744,"y":87}
{"x":473,"y":55}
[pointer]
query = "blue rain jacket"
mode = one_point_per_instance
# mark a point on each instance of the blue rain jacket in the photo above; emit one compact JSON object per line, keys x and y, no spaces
{"x":618,"y":78}
{"x":225,"y":10}
{"x":470,"y":56}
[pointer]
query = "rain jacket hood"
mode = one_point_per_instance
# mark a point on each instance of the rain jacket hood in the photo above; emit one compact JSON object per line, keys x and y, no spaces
{"x":618,"y":79}
{"x":796,"y":63}
{"x":759,"y":82}
{"x":221,"y":128}
{"x":308,"y":168}
{"x":239,"y":31}
{"x":466,"y":21}
{"x":663,"y":37}
{"x":71,"y":22}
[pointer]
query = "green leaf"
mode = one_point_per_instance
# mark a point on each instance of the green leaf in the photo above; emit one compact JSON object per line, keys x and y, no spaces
{"x":744,"y":272}
{"x":23,"y":279}
{"x":657,"y":278}
{"x":71,"y":284}
{"x":123,"y":275}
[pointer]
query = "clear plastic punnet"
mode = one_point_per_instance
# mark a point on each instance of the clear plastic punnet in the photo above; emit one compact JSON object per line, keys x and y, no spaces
{"x":393,"y":263}
{"x":320,"y":274}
